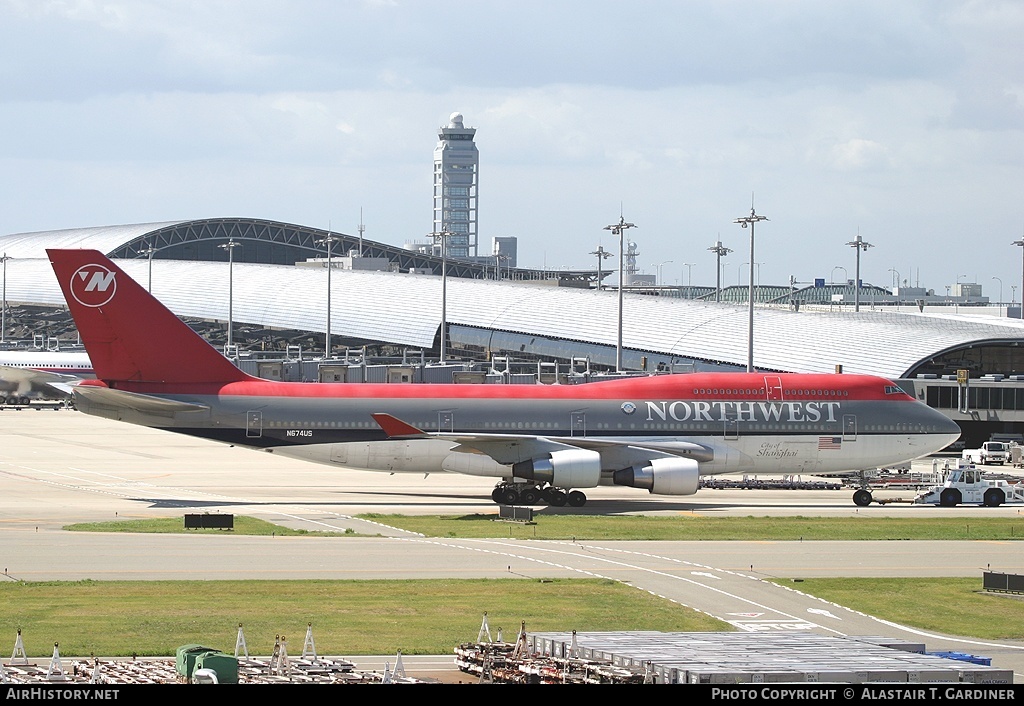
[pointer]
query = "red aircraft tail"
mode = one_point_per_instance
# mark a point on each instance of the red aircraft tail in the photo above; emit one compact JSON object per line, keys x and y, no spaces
{"x":129,"y":335}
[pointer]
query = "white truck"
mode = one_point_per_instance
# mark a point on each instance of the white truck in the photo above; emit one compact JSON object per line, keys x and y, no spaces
{"x":991,"y":453}
{"x":965,"y":484}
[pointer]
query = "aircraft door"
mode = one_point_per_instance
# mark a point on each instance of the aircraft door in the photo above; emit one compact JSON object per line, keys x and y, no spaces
{"x":446,"y":421}
{"x":849,"y":427}
{"x":253,"y":424}
{"x":732,"y":429}
{"x":773,"y":388}
{"x":578,"y":424}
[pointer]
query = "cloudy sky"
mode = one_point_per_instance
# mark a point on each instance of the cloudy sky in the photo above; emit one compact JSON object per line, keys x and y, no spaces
{"x":901,"y":121}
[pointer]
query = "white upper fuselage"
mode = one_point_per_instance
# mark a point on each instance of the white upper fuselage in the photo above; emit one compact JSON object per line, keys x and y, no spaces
{"x":64,"y":362}
{"x":36,"y":373}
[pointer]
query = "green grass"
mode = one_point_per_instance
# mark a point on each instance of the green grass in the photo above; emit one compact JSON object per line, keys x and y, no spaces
{"x":951,"y":606}
{"x":176,"y":525}
{"x":153,"y":618}
{"x":632,"y":527}
{"x":699,"y":527}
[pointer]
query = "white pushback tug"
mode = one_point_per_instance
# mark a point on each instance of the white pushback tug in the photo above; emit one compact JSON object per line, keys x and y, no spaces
{"x":965,"y":484}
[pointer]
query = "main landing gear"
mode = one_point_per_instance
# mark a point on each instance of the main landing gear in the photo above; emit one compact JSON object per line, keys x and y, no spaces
{"x":529,"y":494}
{"x":14,"y":400}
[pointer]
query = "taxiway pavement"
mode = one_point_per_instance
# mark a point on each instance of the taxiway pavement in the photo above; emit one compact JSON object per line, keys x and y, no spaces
{"x":59,"y":467}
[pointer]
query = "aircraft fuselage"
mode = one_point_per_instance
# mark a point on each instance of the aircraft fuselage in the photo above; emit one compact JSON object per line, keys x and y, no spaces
{"x":727,"y":423}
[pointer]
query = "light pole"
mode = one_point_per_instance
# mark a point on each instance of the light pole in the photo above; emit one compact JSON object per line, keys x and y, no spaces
{"x":1021,"y":244}
{"x":601,"y":255}
{"x":720,"y":251}
{"x":895,"y":278}
{"x":3,"y":307}
{"x":744,"y":222}
{"x":230,"y":247}
{"x":957,"y":294}
{"x":442,"y":236}
{"x":688,"y":266}
{"x":328,"y":240}
{"x":859,"y":244}
{"x":149,"y":252}
{"x":620,"y":229}
{"x":667,"y":262}
{"x":1013,"y":294}
{"x":498,"y":257}
{"x":739,"y":272}
{"x":361,"y":229}
{"x":1000,"y":290}
{"x":846,"y":276}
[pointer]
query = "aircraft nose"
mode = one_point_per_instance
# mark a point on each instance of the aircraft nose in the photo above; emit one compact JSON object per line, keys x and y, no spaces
{"x":945,"y":425}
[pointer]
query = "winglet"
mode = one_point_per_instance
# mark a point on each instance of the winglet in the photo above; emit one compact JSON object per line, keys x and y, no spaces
{"x":394,"y":427}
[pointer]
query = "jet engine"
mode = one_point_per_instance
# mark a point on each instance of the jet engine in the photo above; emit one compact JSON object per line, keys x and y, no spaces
{"x":662,"y":476}
{"x":569,"y":468}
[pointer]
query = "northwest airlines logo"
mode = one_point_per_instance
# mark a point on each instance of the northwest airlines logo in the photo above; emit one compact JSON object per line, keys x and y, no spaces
{"x":93,"y":285}
{"x":723,"y":411}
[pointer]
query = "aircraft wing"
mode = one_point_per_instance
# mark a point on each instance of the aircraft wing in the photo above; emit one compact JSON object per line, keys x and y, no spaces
{"x":514,"y":448}
{"x":27,"y":379}
{"x":65,"y":388}
{"x":32,"y":376}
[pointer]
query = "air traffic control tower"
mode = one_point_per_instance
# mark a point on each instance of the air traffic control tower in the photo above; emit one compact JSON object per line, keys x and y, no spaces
{"x":456,"y":167}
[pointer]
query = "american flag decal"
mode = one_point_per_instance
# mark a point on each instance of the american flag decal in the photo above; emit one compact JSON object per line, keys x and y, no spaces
{"x":829,"y":442}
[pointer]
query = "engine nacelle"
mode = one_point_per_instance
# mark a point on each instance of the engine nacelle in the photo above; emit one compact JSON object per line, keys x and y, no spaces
{"x":569,"y":468}
{"x":662,"y":476}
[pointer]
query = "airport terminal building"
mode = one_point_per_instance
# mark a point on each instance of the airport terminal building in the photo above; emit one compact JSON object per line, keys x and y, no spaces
{"x":275,"y":289}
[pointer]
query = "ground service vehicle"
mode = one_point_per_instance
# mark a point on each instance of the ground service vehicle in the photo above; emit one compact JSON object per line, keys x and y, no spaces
{"x":991,"y":453}
{"x":965,"y":484}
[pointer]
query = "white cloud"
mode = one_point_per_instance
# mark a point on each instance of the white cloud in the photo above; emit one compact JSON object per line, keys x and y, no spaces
{"x":901,"y":119}
{"x":857,"y":154}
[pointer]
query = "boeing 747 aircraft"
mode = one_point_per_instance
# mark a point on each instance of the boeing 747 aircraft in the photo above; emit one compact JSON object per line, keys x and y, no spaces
{"x":27,"y":375}
{"x":541,"y":443}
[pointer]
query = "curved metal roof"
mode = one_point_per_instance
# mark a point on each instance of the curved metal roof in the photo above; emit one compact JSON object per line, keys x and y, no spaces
{"x":102,"y":238}
{"x":262,"y":241}
{"x":406,"y":310}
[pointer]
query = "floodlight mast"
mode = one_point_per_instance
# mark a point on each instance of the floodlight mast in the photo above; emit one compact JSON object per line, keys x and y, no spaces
{"x":442,"y":237}
{"x":601,"y":255}
{"x":720,"y":251}
{"x":744,"y":222}
{"x":858,"y":244}
{"x":148,"y":252}
{"x":3,"y":308}
{"x":230,"y":247}
{"x":329,"y":240}
{"x":1021,"y":244}
{"x":619,"y":229}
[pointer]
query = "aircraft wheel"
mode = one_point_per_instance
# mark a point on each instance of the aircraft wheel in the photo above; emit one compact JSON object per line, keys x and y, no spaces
{"x":496,"y":494}
{"x":557,"y":498}
{"x":529,"y":496}
{"x":950,"y":497}
{"x":994,"y":497}
{"x":577,"y":499}
{"x":509,"y":496}
{"x":3,"y":400}
{"x":862,"y":498}
{"x":25,"y":401}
